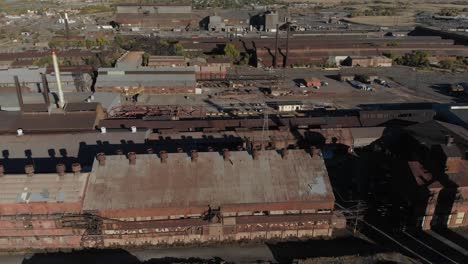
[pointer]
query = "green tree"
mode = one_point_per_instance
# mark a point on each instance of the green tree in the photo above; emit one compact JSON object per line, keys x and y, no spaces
{"x":415,"y":59}
{"x":232,"y":52}
{"x":145,"y":59}
{"x":44,"y":61}
{"x":179,"y":49}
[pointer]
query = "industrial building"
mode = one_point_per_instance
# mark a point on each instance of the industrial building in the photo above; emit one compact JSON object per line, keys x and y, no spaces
{"x":163,"y":15}
{"x":161,"y":80}
{"x":435,"y":184}
{"x":367,"y":61}
{"x":309,"y":49}
{"x":62,"y":199}
{"x":73,"y":78}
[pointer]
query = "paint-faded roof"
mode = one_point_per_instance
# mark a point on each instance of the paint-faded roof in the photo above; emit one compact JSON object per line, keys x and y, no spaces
{"x":234,"y":183}
{"x":43,"y":188}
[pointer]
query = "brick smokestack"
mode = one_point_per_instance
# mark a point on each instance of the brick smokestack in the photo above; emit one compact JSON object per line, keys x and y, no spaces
{"x":163,"y":155}
{"x":60,"y":169}
{"x":101,"y":157}
{"x":29,"y":169}
{"x":76,"y":168}
{"x":194,"y":155}
{"x":132,"y":158}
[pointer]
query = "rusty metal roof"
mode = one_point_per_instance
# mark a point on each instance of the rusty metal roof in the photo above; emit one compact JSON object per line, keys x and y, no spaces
{"x":181,"y":186}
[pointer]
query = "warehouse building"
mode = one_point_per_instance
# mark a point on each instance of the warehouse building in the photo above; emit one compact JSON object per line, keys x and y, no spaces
{"x":180,"y":198}
{"x":154,"y":199}
{"x":161,"y":80}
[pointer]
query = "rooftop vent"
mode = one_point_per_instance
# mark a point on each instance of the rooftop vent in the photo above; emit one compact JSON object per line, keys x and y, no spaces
{"x":194,"y":155}
{"x":255,"y":154}
{"x":226,"y":154}
{"x":29,"y":169}
{"x":315,"y":152}
{"x":76,"y":168}
{"x":19,"y":132}
{"x":284,"y":153}
{"x":60,"y":169}
{"x":103,"y":130}
{"x":448,"y":140}
{"x":132,"y":158}
{"x":101,"y":157}
{"x":134,"y":129}
{"x":163,"y":155}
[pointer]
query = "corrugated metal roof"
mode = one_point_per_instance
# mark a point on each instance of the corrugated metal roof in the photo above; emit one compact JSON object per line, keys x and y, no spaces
{"x":48,"y":188}
{"x":181,"y":184}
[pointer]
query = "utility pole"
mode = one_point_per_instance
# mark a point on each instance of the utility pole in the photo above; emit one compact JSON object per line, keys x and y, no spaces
{"x":275,"y":61}
{"x":287,"y":45}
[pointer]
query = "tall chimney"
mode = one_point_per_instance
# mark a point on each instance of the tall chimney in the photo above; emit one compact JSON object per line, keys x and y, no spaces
{"x":60,"y":169}
{"x":275,"y":62}
{"x":101,"y":157}
{"x":19,"y":93}
{"x":61,"y":102}
{"x":132,"y":158}
{"x":67,"y":27}
{"x":45,"y":89}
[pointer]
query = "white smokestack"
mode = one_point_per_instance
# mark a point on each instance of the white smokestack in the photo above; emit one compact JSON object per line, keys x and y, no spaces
{"x":57,"y":77}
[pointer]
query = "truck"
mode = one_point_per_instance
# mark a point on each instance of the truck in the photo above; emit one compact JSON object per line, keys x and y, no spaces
{"x":360,"y":85}
{"x":382,"y":82}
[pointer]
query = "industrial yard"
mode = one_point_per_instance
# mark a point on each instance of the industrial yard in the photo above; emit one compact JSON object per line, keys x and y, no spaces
{"x":233,"y":131}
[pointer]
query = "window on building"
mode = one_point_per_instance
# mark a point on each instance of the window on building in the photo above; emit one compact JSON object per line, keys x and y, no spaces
{"x":460,"y":217}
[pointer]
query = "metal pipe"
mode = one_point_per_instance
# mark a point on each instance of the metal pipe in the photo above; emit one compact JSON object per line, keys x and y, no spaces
{"x":61,"y":102}
{"x":19,"y":93}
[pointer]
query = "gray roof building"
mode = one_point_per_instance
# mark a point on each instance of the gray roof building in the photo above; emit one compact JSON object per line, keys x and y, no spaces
{"x":147,"y":77}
